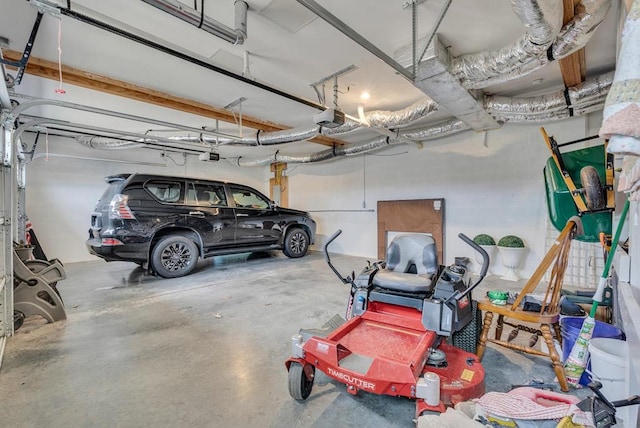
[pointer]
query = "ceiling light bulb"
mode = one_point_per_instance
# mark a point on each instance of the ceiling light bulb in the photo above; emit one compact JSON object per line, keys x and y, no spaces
{"x":365,"y":96}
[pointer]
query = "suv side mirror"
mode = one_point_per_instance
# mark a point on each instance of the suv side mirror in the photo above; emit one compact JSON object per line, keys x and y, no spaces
{"x":273,"y":205}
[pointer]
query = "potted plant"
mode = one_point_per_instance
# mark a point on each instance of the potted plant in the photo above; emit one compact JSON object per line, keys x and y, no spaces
{"x":512,"y":250}
{"x":488,"y":244}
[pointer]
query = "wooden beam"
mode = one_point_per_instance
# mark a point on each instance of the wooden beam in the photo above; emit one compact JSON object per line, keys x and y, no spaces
{"x":49,"y":69}
{"x":572,"y":67}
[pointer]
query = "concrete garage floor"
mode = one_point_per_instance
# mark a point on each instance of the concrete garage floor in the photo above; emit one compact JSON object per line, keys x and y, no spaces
{"x":206,"y":350}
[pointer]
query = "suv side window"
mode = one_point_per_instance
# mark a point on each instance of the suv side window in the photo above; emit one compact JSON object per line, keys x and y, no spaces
{"x":206,"y":195}
{"x":246,"y":198}
{"x":164,"y":191}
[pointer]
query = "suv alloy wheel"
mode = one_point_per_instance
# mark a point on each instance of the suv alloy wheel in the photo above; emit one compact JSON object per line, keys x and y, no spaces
{"x":174,"y":256}
{"x":296,"y":243}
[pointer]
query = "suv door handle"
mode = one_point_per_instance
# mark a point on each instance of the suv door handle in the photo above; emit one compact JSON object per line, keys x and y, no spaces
{"x":242,"y":215}
{"x":196,"y":214}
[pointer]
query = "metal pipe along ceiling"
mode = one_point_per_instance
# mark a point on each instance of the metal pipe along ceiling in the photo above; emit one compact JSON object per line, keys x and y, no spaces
{"x":180,"y":10}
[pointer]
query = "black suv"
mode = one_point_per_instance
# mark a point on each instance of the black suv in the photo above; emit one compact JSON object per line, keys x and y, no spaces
{"x":166,"y":223}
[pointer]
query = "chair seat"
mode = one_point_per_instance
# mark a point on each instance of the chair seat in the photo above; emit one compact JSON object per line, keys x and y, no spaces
{"x":526,"y":316}
{"x":405,"y":282}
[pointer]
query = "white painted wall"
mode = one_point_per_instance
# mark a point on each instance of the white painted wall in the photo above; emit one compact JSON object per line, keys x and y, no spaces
{"x":62,"y":192}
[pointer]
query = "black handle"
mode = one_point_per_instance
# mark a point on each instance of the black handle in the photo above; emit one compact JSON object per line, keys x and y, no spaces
{"x":485,"y":262}
{"x":328,"y":259}
{"x":329,"y":241}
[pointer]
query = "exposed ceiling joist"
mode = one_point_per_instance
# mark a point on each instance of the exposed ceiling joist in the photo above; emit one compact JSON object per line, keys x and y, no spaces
{"x":573,"y":67}
{"x":49,"y":69}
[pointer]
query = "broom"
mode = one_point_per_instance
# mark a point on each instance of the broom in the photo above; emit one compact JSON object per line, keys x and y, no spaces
{"x":577,"y":360}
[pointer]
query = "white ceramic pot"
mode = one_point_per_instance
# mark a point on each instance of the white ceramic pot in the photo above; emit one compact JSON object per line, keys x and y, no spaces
{"x":511,"y":258}
{"x":491,"y":251}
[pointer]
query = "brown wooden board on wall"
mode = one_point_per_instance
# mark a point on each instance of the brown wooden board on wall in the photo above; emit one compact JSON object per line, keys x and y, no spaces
{"x":416,"y":215}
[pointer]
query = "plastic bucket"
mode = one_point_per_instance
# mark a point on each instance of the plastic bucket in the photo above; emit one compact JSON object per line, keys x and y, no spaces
{"x":609,"y":359}
{"x":570,"y":330}
{"x":608,"y":363}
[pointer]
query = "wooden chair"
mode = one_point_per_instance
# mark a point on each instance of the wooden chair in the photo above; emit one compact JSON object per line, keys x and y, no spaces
{"x":544,"y":322}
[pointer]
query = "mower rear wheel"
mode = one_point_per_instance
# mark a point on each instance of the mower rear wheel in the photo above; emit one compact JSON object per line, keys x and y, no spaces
{"x":467,"y":338}
{"x":594,"y":192}
{"x":299,"y":383}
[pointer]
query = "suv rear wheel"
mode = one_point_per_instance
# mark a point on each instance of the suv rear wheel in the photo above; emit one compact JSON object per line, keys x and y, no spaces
{"x":296,"y":243}
{"x":174,"y":256}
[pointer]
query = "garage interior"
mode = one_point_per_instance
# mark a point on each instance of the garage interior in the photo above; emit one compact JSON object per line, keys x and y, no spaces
{"x":335,"y":108}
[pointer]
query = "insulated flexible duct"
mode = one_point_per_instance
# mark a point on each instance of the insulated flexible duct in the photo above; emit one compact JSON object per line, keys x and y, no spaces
{"x":542,"y":20}
{"x":596,"y":87}
{"x":575,"y":101}
{"x":490,"y":68}
{"x":376,"y":119}
{"x":106,"y":143}
{"x":324,"y":155}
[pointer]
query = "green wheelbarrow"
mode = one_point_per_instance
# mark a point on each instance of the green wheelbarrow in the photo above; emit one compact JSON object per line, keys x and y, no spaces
{"x":580,"y":182}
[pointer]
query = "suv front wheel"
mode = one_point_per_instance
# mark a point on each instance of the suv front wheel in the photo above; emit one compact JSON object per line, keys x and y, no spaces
{"x":296,"y":243}
{"x":174,"y":256}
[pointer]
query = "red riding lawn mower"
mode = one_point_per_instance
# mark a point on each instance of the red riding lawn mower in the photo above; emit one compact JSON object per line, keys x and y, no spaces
{"x":411,"y":330}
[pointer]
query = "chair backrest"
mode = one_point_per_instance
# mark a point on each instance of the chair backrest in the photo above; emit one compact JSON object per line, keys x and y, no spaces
{"x":412,"y":250}
{"x":556,"y":258}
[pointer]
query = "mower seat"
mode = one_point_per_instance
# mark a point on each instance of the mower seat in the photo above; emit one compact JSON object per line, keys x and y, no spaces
{"x":411,"y":265}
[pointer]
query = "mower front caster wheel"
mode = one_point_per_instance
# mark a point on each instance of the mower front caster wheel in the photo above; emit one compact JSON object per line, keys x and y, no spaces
{"x":301,"y":380}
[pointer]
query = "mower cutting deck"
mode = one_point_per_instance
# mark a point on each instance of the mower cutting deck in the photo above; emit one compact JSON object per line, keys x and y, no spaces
{"x":394,"y":342}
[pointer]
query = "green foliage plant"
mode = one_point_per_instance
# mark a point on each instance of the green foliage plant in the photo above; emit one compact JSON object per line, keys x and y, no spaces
{"x":484,"y":239}
{"x":511,"y":241}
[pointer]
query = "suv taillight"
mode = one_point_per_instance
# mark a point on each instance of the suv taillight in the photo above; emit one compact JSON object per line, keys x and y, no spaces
{"x":118,"y":208}
{"x":111,"y":242}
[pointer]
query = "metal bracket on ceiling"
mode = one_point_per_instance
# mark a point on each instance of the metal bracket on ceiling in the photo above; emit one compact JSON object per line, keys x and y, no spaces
{"x":417,"y":59}
{"x":238,"y":103}
{"x":412,"y":3}
{"x":334,"y":77}
{"x":22,"y":64}
{"x":45,"y":6}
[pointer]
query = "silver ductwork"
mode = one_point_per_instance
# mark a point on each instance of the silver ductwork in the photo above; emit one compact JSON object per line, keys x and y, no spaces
{"x":490,"y":68}
{"x":449,"y":127}
{"x":388,"y":119}
{"x":588,"y":15}
{"x":440,"y":130}
{"x":375,"y":119}
{"x":105,"y":143}
{"x":194,"y":17}
{"x":576,"y":101}
{"x":594,"y":88}
{"x":542,"y":20}
{"x":553,"y":115}
{"x":324,"y":155}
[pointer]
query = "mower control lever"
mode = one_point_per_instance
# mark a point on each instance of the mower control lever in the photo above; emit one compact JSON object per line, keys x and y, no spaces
{"x":485,"y":264}
{"x":347,"y":280}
